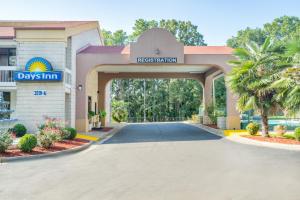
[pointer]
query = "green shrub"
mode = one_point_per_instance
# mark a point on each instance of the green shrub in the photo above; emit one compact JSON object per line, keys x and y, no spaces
{"x":19,"y":130}
{"x":5,"y":141}
{"x":119,"y":111}
{"x":72,"y":132}
{"x":289,"y":136}
{"x":65,"y":134}
{"x":27,"y":142}
{"x":212,"y":114}
{"x":252,"y":128}
{"x":297,"y":133}
{"x":102,"y":114}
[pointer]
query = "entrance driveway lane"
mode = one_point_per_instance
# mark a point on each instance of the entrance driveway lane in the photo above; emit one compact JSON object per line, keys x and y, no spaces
{"x":180,"y":166}
{"x":160,"y":132}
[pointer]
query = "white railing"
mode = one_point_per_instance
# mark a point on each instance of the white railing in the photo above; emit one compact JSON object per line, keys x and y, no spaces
{"x":6,"y":76}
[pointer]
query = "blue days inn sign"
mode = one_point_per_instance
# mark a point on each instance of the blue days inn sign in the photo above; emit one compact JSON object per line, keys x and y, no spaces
{"x":38,"y":69}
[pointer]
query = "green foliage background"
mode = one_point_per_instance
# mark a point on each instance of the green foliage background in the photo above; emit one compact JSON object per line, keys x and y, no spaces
{"x":165,"y":99}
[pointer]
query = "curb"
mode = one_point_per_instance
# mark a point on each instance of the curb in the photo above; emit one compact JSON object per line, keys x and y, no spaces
{"x":64,"y":152}
{"x":241,"y":140}
{"x":247,"y":141}
{"x":46,"y":155}
{"x":214,"y":131}
{"x":111,"y":133}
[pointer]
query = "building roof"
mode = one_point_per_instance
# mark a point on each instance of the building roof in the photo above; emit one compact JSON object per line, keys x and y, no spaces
{"x":207,"y":50}
{"x":7,"y":28}
{"x":187,"y":50}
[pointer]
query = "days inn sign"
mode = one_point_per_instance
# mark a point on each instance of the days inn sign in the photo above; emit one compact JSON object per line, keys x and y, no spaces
{"x":38,"y":69}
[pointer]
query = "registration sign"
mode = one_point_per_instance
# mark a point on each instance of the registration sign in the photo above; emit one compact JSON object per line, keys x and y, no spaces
{"x":156,"y":60}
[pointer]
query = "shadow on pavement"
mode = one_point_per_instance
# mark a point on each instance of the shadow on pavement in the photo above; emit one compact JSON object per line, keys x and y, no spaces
{"x":160,"y":132}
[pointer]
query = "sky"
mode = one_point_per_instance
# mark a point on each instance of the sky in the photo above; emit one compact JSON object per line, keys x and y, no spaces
{"x":217,"y":20}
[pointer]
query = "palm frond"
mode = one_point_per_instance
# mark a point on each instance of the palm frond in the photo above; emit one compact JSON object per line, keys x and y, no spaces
{"x":242,"y":54}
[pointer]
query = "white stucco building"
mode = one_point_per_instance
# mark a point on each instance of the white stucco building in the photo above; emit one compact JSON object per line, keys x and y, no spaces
{"x":57,"y":42}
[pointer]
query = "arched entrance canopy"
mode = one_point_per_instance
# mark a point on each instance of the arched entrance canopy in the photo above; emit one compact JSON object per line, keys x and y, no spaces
{"x":156,"y":53}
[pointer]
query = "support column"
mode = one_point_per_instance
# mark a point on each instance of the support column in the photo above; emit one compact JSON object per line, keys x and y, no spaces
{"x":233,"y":120}
{"x":207,"y":98}
{"x":233,"y":116}
{"x":107,"y":102}
{"x":104,"y":96}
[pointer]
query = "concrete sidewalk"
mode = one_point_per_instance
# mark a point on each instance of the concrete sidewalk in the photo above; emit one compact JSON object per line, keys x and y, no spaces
{"x":100,"y":135}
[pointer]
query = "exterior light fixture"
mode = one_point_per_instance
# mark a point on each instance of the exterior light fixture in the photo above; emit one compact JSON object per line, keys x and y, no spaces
{"x":157,"y":51}
{"x":79,"y":87}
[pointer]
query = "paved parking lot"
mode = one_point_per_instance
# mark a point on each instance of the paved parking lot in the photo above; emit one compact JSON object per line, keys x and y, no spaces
{"x":158,"y":161}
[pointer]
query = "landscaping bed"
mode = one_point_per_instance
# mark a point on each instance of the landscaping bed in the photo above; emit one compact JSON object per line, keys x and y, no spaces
{"x":56,"y":147}
{"x":212,"y":126}
{"x":280,"y":140}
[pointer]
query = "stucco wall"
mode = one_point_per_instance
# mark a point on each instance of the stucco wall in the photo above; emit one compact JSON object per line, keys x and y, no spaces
{"x":147,"y":46}
{"x":77,"y":42}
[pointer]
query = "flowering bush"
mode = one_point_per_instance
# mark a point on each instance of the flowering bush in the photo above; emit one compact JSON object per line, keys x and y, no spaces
{"x":52,"y":123}
{"x":55,"y":127}
{"x":280,"y":130}
{"x":51,"y":131}
{"x":46,"y":139}
{"x":5,"y":141}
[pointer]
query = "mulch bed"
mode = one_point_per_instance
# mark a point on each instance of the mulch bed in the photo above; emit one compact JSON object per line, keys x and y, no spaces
{"x":57,"y":146}
{"x":272,"y":139}
{"x":212,"y":126}
{"x":103,"y":129}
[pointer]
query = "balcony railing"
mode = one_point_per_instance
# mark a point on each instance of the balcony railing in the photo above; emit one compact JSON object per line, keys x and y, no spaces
{"x":6,"y":76}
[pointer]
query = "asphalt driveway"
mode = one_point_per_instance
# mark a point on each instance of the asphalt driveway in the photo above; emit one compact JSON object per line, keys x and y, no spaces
{"x":158,"y":161}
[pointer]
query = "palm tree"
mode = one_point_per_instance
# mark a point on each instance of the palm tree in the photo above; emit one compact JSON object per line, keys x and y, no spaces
{"x":252,"y":75}
{"x":288,"y":83}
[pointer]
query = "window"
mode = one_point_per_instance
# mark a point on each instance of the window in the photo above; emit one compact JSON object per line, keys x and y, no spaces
{"x":7,"y":57}
{"x":6,"y":76}
{"x":6,"y":98}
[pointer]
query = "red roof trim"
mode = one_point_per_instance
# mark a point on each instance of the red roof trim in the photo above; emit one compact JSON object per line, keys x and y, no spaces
{"x":40,"y":28}
{"x":106,"y":50}
{"x":208,"y":50}
{"x":188,"y":50}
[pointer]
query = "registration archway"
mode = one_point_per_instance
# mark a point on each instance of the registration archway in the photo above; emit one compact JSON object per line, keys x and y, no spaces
{"x":156,"y":54}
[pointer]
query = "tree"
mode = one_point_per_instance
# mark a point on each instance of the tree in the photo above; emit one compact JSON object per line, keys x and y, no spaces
{"x":140,"y":26}
{"x":164,"y":98}
{"x":280,"y":29}
{"x":220,"y":95}
{"x":245,"y":36}
{"x":119,"y":111}
{"x":118,"y":38}
{"x":283,"y":28}
{"x":288,"y":83}
{"x":184,"y":31}
{"x":252,"y":75}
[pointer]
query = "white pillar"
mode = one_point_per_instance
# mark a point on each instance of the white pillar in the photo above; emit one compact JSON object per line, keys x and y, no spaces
{"x":107,"y":102}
